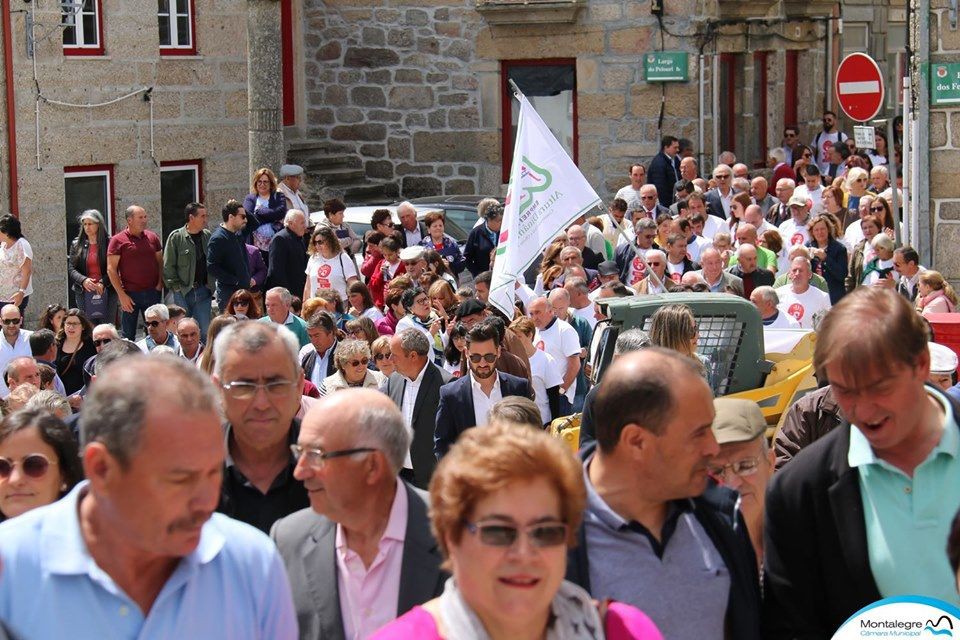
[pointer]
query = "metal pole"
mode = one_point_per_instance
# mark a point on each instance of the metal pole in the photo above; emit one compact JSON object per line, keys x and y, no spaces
{"x":894,"y":199}
{"x":700,"y":126}
{"x":716,"y":109}
{"x":914,"y":162}
{"x":827,"y":84}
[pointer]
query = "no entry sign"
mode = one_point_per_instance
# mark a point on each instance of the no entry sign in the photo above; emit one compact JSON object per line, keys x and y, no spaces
{"x":859,"y":87}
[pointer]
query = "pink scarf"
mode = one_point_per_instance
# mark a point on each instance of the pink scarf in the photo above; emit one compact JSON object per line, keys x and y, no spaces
{"x":933,"y":295}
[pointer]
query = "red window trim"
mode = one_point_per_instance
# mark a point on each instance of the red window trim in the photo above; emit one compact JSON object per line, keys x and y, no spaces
{"x":729,"y":137}
{"x":506,"y":146}
{"x":286,"y":62}
{"x":112,"y":196}
{"x":169,"y":50}
{"x":760,"y":59}
{"x":192,"y":164}
{"x":99,"y":50}
{"x":790,"y":90}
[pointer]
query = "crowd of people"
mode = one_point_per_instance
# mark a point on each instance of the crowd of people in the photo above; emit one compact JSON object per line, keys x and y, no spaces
{"x":289,"y":446}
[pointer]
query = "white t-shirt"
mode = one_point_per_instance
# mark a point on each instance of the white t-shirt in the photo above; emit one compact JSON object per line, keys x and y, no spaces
{"x":11,"y":261}
{"x":545,"y":374}
{"x":632,"y":196}
{"x":637,"y":270}
{"x":793,"y":233}
{"x":695,"y":248}
{"x":824,"y":147}
{"x":373,"y":313}
{"x":783,"y":321}
{"x":330,"y":274}
{"x":803,"y":306}
{"x":712,"y":227}
{"x":853,"y":235}
{"x":815,"y":196}
{"x":587,"y":313}
{"x":675,"y":271}
{"x":561,"y":341}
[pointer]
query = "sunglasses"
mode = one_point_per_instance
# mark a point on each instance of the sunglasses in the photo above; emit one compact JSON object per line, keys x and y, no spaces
{"x":241,"y":303}
{"x":506,"y":535}
{"x":102,"y":341}
{"x":34,"y":465}
{"x":490,"y":358}
{"x":153,"y":323}
{"x":361,"y":362}
{"x":879,"y":209}
{"x":655,"y":264}
{"x":724,"y":177}
{"x":381,"y":356}
{"x":12,"y":321}
{"x":808,"y":155}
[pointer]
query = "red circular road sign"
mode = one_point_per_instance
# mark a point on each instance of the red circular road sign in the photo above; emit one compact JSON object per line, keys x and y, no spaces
{"x":859,"y":87}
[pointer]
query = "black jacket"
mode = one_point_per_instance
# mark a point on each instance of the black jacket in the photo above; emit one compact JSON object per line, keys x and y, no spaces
{"x":663,"y":174}
{"x":309,"y":361}
{"x":288,"y":262}
{"x":423,"y":420}
{"x":817,"y":569}
{"x":455,"y":413}
{"x":716,"y":511}
{"x":477,"y":250}
{"x":77,"y":263}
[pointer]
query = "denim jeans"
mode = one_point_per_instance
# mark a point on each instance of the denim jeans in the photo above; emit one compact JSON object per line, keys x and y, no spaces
{"x":198,"y":305}
{"x":141,"y":300}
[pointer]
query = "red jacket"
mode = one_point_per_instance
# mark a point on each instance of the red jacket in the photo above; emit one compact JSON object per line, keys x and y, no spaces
{"x":377,"y":283}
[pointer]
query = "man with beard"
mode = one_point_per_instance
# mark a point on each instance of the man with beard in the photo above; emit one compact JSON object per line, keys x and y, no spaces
{"x":136,"y":550}
{"x":465,"y":403}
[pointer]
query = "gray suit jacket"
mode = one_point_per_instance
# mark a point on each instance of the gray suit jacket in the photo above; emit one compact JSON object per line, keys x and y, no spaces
{"x":424,"y":419}
{"x":306,"y":541}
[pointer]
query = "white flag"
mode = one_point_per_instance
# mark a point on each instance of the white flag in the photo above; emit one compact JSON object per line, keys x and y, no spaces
{"x":547,"y":192}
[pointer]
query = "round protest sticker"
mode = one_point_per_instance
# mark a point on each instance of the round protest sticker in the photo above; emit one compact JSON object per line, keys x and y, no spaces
{"x":902,"y":617}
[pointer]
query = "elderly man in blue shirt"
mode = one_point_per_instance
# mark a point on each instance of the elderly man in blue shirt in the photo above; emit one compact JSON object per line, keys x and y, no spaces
{"x":136,"y":551}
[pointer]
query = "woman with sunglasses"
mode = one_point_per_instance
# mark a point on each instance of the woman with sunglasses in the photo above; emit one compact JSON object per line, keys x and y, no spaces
{"x":505,"y":505}
{"x":802,"y":156}
{"x":352,"y":358}
{"x":857,"y":181}
{"x":329,"y":267}
{"x":74,"y":346}
{"x":243,"y":305}
{"x":382,"y":356}
{"x":39,"y":461}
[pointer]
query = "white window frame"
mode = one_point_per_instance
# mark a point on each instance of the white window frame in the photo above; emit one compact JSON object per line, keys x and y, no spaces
{"x":186,"y":166}
{"x":83,"y":45}
{"x":107,"y":174}
{"x":171,"y":18}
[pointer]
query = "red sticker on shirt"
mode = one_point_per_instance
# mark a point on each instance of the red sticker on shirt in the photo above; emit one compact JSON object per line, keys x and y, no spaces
{"x":639,"y":268}
{"x":796,"y":238}
{"x":324,"y":271}
{"x":796,"y":310}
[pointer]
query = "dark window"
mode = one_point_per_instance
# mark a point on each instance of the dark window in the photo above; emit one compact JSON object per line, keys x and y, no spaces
{"x":179,"y":186}
{"x":86,"y":188}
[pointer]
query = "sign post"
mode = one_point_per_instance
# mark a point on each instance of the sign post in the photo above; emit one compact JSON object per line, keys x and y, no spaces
{"x":859,"y":87}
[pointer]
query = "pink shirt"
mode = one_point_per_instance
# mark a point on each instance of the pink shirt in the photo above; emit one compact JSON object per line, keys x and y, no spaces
{"x":369,"y":596}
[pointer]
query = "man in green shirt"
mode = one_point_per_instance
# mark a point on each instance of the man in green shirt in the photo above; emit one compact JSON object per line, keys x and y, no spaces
{"x":747,"y":234}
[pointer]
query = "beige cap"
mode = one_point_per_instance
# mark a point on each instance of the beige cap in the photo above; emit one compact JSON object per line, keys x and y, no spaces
{"x":798,"y":200}
{"x":737,"y":420}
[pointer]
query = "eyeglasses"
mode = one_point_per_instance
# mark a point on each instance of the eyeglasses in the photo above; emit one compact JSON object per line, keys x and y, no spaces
{"x":807,"y":155}
{"x":723,"y":177}
{"x":316,"y":457}
{"x":382,"y":356}
{"x":263,"y":181}
{"x":12,"y":321}
{"x":421,"y":300}
{"x":73,"y":324}
{"x":102,"y":341}
{"x":243,"y":390}
{"x":547,"y":534}
{"x":387,"y":223}
{"x":740,"y":468}
{"x":879,"y":209}
{"x":489,"y":358}
{"x":34,"y":465}
{"x":361,"y":361}
{"x":153,"y":323}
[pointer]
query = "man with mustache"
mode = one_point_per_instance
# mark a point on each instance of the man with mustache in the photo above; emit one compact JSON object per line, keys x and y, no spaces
{"x":136,"y":550}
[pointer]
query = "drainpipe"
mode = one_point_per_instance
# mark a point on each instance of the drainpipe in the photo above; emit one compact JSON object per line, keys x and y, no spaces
{"x":922,"y":141}
{"x":11,"y":108}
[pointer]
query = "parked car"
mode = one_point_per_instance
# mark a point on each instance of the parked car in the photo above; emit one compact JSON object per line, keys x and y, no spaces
{"x":359,"y":219}
{"x":460,"y":210}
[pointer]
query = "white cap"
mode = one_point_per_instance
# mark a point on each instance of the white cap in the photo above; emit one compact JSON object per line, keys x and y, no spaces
{"x":411,"y":253}
{"x":942,"y":358}
{"x":290,"y":170}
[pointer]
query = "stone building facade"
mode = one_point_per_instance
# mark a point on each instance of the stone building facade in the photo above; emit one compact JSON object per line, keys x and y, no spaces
{"x":417,"y":89}
{"x":943,"y":215}
{"x":133,"y":151}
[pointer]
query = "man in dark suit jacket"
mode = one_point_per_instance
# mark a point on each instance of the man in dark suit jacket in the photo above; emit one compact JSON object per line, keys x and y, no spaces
{"x":322,"y":331}
{"x":415,"y":389}
{"x":350,"y":450}
{"x":723,"y":175}
{"x":664,"y":169}
{"x":288,"y":255}
{"x":747,"y":270}
{"x":871,"y":474}
{"x":458,"y":409}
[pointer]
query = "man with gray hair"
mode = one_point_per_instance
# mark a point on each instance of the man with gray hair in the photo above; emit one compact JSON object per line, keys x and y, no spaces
{"x":288,"y":256}
{"x":137,"y":549}
{"x":631,"y":265}
{"x":363,"y":554}
{"x":155,"y":319}
{"x":415,"y":388}
{"x":799,"y":299}
{"x":411,"y":231}
{"x":767,"y":302}
{"x":278,"y":303}
{"x":260,"y":383}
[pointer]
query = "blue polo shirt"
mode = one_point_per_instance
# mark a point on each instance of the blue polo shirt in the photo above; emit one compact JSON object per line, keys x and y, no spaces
{"x":232,"y":586}
{"x":908,"y":519}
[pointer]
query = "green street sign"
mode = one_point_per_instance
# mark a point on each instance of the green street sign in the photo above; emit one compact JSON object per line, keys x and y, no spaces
{"x":945,"y":83}
{"x":666,"y":66}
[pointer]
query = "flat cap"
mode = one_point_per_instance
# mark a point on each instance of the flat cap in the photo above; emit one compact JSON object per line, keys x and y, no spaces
{"x":942,"y":358}
{"x":608,"y":268}
{"x":469,"y":307}
{"x":737,"y":420}
{"x":411,"y":253}
{"x":291,"y":170}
